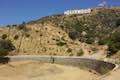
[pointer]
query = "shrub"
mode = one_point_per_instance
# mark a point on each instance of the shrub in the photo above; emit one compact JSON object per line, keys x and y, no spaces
{"x":118,"y":22}
{"x":89,"y":38}
{"x":16,"y":37}
{"x":69,"y":50}
{"x":3,"y":52}
{"x":89,"y":41}
{"x":37,"y":31}
{"x":113,"y":48}
{"x":23,"y":27}
{"x":27,"y":35}
{"x":102,"y":42}
{"x":114,"y":43}
{"x":4,"y":36}
{"x":61,"y":43}
{"x":80,"y":53}
{"x":41,"y":35}
{"x":5,"y":47}
{"x":74,"y":35}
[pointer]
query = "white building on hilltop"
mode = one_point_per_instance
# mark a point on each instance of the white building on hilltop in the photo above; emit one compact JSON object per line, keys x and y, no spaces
{"x":81,"y":11}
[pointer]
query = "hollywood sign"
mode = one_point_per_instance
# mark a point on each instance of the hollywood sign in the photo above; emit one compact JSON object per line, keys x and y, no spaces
{"x":81,"y":11}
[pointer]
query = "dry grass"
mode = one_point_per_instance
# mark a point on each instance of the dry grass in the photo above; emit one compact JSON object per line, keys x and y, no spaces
{"x":43,"y":39}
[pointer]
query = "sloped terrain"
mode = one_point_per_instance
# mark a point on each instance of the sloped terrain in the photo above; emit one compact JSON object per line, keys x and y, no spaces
{"x":47,"y":39}
{"x":97,"y":32}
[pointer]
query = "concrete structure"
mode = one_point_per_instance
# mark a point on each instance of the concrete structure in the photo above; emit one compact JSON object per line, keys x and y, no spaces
{"x":81,"y":11}
{"x":84,"y":63}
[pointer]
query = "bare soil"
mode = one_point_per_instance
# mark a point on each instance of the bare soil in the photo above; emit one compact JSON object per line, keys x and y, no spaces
{"x":115,"y":75}
{"x":30,"y":70}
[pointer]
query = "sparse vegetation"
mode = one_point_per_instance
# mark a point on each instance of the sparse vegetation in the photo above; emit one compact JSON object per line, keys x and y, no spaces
{"x":4,"y":36}
{"x":16,"y":37}
{"x":94,"y":50}
{"x":73,"y":35}
{"x":27,"y":35}
{"x":23,"y":27}
{"x":98,"y":27}
{"x":61,"y":43}
{"x":101,"y":27}
{"x":114,"y":43}
{"x":24,"y":31}
{"x":80,"y":53}
{"x":118,"y":23}
{"x":103,"y":69}
{"x":69,"y":50}
{"x":37,"y":31}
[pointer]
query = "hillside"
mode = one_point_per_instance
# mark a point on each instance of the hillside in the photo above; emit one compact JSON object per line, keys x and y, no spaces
{"x":97,"y":32}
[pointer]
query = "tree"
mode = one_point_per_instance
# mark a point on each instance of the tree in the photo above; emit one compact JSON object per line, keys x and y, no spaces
{"x":6,"y":46}
{"x":118,"y":22}
{"x":114,"y":43}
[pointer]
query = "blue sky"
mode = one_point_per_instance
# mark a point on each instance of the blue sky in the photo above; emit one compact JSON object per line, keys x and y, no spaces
{"x":17,"y":11}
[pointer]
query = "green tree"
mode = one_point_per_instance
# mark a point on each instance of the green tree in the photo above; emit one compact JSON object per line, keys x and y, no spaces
{"x":118,"y":22}
{"x":114,"y":43}
{"x":6,"y":46}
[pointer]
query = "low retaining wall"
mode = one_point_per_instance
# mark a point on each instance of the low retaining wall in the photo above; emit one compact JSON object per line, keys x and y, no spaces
{"x":85,"y":63}
{"x":96,"y":65}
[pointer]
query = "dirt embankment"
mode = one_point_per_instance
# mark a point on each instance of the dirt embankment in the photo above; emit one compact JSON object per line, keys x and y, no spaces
{"x":30,"y":70}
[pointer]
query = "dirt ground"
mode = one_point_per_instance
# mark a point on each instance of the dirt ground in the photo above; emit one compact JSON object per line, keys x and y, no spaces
{"x":30,"y":70}
{"x":115,"y":75}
